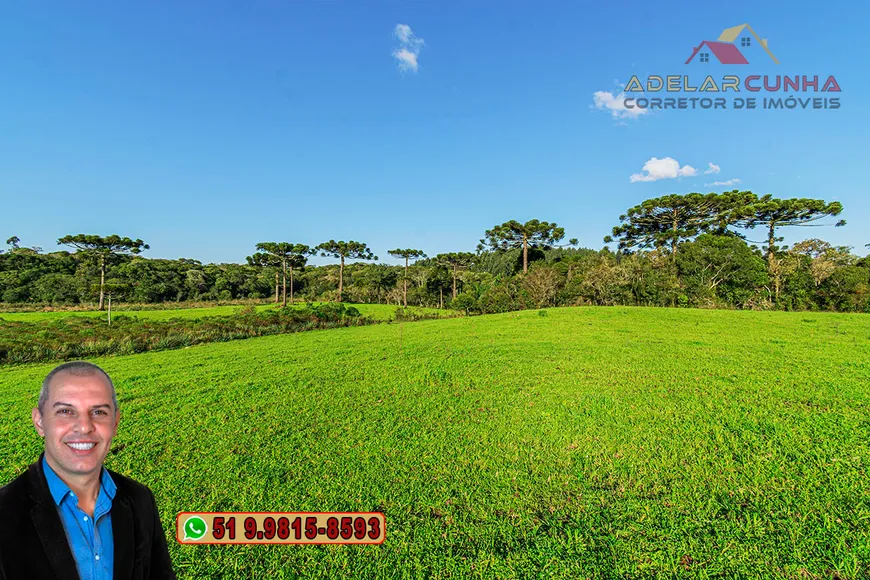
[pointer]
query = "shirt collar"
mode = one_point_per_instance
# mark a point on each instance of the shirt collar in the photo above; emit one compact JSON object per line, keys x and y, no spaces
{"x":107,"y":483}
{"x":59,"y":489}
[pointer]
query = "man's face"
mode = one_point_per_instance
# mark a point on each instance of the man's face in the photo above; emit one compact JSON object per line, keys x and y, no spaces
{"x":78,"y":422}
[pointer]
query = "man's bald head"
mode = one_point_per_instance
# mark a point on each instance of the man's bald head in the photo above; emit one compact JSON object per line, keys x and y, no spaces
{"x":77,"y":368}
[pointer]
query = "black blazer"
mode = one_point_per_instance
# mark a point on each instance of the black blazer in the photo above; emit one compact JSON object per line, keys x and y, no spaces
{"x":33,"y":543}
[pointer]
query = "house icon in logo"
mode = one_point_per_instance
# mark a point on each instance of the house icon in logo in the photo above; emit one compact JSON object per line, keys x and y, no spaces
{"x":725,"y":48}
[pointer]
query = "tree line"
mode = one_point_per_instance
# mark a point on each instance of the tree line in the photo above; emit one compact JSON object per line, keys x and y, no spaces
{"x":676,"y":250}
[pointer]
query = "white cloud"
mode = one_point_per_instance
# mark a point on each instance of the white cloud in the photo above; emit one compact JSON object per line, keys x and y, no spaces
{"x":712,"y":169}
{"x":734,"y":181}
{"x":606,"y":100}
{"x":407,"y":59}
{"x":403,"y":32}
{"x":409,"y":48}
{"x":667,"y":168}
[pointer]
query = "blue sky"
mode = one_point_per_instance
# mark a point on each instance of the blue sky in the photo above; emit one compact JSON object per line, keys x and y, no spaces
{"x":206,"y":127}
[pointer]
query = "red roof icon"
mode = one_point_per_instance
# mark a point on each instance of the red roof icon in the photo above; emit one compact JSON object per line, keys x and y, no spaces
{"x":726,"y":52}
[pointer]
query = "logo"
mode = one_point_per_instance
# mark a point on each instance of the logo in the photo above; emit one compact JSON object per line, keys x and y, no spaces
{"x":194,"y":528}
{"x":738,"y":45}
{"x":726,"y":50}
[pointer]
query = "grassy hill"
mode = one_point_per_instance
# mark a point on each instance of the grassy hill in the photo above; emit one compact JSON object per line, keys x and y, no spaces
{"x":585,"y":442}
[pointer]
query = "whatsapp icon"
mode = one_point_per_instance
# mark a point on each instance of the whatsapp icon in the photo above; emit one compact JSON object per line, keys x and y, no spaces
{"x":195,"y":528}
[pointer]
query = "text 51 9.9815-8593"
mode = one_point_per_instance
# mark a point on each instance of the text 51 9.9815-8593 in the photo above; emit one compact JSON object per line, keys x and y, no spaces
{"x":280,"y":528}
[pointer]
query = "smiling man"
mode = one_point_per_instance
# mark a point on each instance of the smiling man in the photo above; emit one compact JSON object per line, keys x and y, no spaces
{"x":68,"y":517}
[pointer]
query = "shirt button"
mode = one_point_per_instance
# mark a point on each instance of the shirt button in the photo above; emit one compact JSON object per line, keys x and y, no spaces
{"x":98,"y":556}
{"x":86,"y":518}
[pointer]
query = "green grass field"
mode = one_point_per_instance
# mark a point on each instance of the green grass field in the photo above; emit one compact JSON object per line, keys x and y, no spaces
{"x":589,"y":442}
{"x":376,"y":311}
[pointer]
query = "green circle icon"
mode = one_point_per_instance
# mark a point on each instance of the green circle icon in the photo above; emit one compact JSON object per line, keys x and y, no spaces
{"x":194,"y":528}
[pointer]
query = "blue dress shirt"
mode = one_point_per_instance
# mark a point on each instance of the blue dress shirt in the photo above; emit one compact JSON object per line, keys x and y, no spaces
{"x":91,"y":544}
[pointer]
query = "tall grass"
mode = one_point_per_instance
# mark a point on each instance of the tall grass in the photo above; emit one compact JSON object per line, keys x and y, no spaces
{"x":79,"y":337}
{"x":375,"y":311}
{"x":90,"y":307}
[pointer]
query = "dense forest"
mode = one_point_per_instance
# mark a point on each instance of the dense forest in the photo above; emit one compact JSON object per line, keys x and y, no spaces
{"x":686,"y":251}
